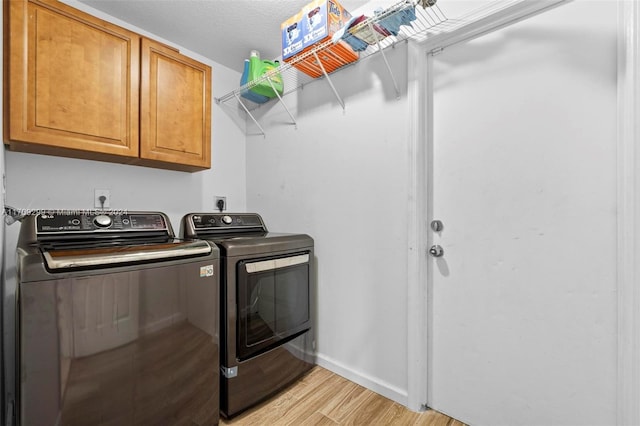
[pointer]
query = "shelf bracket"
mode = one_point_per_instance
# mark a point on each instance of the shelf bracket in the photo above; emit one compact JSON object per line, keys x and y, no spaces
{"x":335,"y":92}
{"x":386,"y":61}
{"x":282,"y":102}
{"x":249,"y":114}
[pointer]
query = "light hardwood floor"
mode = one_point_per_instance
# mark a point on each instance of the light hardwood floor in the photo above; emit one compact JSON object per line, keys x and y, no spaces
{"x":324,"y":398}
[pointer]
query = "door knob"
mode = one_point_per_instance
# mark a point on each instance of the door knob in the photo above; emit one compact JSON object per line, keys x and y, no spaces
{"x":436,"y":251}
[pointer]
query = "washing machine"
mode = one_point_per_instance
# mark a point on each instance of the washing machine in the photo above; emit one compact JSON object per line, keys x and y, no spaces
{"x":117,"y":322}
{"x":267,"y":305}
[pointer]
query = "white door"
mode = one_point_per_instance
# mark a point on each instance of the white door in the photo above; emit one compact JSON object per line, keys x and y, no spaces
{"x":523,"y":303}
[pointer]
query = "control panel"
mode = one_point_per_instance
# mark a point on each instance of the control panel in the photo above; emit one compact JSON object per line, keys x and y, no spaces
{"x":47,"y":223}
{"x":215,"y":221}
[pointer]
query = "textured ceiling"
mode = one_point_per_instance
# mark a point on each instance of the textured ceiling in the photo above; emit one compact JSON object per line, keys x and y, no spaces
{"x":224,"y":31}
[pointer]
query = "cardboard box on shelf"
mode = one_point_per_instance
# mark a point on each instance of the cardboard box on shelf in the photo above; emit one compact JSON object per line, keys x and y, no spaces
{"x":292,"y":35}
{"x":322,"y":18}
{"x":319,"y":20}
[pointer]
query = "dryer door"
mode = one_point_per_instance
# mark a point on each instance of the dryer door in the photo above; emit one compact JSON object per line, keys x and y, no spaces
{"x":273,"y":302}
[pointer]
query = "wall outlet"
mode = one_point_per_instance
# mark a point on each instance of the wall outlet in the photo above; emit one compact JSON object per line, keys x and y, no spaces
{"x":98,"y":201}
{"x":219,"y":203}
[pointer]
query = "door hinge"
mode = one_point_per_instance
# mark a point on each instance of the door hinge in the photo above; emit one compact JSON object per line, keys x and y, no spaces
{"x":436,"y":51}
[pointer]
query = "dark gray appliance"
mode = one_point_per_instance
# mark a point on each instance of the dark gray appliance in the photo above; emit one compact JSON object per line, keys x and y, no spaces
{"x":266,"y":328}
{"x":117,"y":322}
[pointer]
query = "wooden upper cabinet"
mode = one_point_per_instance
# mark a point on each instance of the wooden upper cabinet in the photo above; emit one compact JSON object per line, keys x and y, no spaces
{"x":175,"y":112}
{"x":79,"y":86}
{"x":73,"y":81}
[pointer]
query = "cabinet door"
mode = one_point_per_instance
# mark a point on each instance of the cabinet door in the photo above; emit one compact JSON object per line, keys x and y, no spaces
{"x":175,"y":110}
{"x":74,"y":81}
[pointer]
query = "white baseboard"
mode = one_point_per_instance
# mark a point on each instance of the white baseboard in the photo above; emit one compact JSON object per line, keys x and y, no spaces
{"x":374,"y":384}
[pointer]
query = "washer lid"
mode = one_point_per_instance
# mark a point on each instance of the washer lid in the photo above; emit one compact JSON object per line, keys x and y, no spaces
{"x":92,"y":257}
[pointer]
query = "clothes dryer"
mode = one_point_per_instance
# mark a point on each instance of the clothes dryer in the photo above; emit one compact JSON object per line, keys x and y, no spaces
{"x":267,"y":283}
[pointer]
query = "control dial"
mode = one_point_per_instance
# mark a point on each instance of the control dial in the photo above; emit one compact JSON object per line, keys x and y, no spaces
{"x":227,"y":219}
{"x":102,"y":221}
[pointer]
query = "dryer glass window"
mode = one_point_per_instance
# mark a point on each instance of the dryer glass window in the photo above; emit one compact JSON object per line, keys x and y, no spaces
{"x":260,"y":310}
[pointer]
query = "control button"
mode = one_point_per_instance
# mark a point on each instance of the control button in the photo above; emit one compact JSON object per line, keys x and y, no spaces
{"x":75,"y":222}
{"x":125,"y":221}
{"x":102,"y":221}
{"x":227,"y":219}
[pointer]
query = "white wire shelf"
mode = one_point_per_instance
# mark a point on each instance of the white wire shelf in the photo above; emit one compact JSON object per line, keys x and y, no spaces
{"x":426,"y":18}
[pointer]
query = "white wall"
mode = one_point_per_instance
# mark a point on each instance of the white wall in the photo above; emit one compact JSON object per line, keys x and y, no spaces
{"x":342,"y":178}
